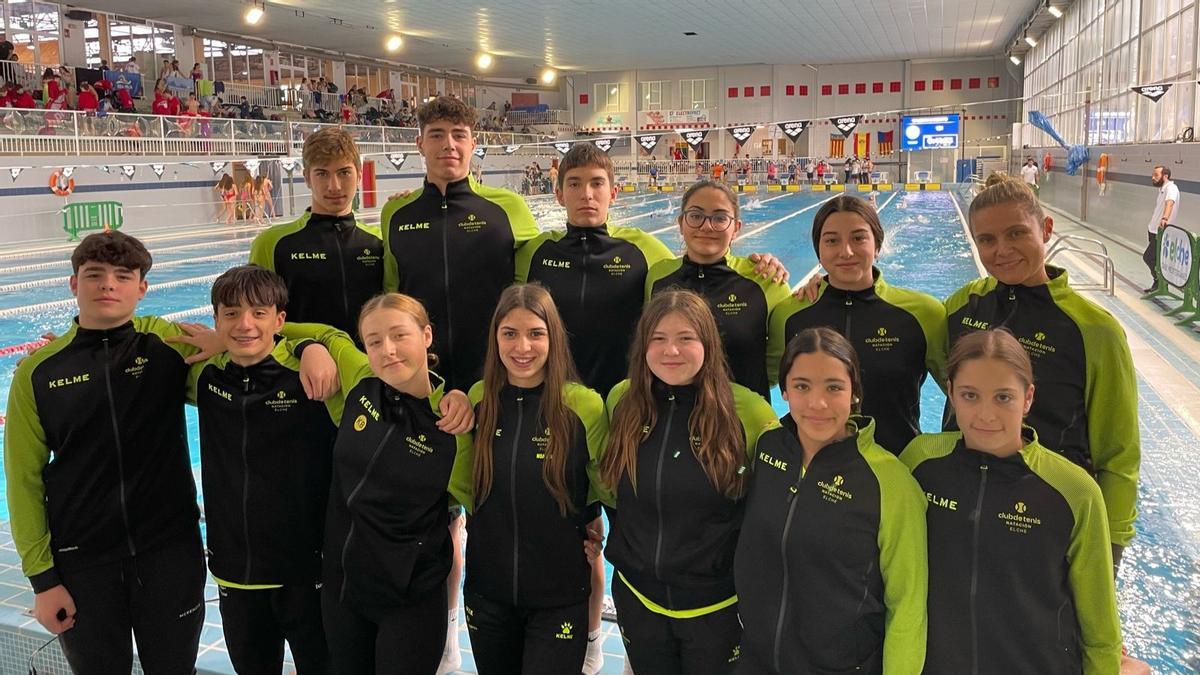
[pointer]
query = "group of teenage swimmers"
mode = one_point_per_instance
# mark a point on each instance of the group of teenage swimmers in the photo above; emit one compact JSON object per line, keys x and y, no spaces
{"x":532,"y":378}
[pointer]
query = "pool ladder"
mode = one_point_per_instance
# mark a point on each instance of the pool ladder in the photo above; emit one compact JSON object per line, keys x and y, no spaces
{"x":1071,"y":243}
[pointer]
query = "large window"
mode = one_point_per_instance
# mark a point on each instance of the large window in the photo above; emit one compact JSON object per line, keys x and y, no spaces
{"x":610,"y":96}
{"x":655,"y":95}
{"x":697,"y":94}
{"x":33,"y":28}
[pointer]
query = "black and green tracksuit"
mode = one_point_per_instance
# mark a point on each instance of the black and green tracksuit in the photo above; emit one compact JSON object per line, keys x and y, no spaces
{"x":597,"y":276}
{"x":454,"y":252}
{"x":830,"y":569}
{"x":673,"y":539}
{"x":99,"y":479}
{"x":741,"y":303}
{"x":265,"y":451}
{"x":387,"y":541}
{"x":526,"y":572}
{"x":1086,"y":403}
{"x":1020,"y":562}
{"x":899,"y":335}
{"x":331,"y":265}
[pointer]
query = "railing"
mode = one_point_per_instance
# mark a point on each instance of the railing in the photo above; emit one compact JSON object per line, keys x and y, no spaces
{"x":69,"y":132}
{"x":519,"y":118}
{"x":25,"y":73}
{"x":1067,"y":244}
{"x":687,"y":171}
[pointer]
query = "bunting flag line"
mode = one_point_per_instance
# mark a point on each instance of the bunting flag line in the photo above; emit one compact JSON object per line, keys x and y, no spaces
{"x":216,"y":167}
{"x":252,"y":167}
{"x":1153,"y":91}
{"x":480,"y":151}
{"x":288,"y":164}
{"x":846,"y":124}
{"x":510,"y":149}
{"x":15,"y":171}
{"x":604,"y":144}
{"x":648,"y":141}
{"x":68,"y":171}
{"x":105,"y":168}
{"x":128,"y":170}
{"x":741,"y":134}
{"x":396,"y":159}
{"x":563,"y":147}
{"x":158,"y":170}
{"x":694,"y":137}
{"x":793,"y":129}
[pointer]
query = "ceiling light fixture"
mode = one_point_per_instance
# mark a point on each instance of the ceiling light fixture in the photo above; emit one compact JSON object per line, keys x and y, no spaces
{"x":254,"y":14}
{"x":549,"y":75}
{"x":484,"y":61}
{"x":1054,"y":11}
{"x":394,"y":43}
{"x":1030,"y":41}
{"x":1015,"y":59}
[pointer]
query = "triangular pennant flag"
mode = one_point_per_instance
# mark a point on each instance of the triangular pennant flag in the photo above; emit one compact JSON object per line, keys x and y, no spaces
{"x":158,"y":170}
{"x":128,"y":170}
{"x":510,"y":149}
{"x":793,"y":129}
{"x":693,"y":137}
{"x":846,"y":124}
{"x":604,"y":144}
{"x":563,"y":147}
{"x":68,"y":171}
{"x":397,"y":159}
{"x":648,"y":141}
{"x":15,"y":171}
{"x":252,"y":167}
{"x":216,"y":167}
{"x":480,"y":151}
{"x":1153,"y":91}
{"x":288,"y":164}
{"x":105,"y":168}
{"x":741,"y":134}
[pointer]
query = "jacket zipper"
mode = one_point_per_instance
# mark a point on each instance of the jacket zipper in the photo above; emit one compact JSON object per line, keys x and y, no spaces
{"x":583,"y":285}
{"x":662,"y":452}
{"x":112,"y":411}
{"x":245,"y":478}
{"x":350,"y":499}
{"x":849,"y":309}
{"x":512,"y":489}
{"x":337,"y":246}
{"x":783,"y":538}
{"x":446,"y":276}
{"x":975,"y":518}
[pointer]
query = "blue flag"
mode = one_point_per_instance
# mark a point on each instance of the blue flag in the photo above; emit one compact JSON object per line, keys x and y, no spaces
{"x":124,"y":80}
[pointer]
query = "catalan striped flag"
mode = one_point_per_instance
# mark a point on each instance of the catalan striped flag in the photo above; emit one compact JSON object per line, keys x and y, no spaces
{"x":837,"y":145}
{"x":862,"y":144}
{"x":885,"y":142}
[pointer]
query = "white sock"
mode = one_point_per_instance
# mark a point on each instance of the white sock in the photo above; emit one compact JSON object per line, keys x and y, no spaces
{"x":593,"y":635}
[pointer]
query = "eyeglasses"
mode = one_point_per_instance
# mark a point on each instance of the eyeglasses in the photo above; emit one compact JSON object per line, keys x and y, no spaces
{"x":696,"y":219}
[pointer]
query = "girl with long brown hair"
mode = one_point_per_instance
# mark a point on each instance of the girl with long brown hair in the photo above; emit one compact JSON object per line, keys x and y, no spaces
{"x":681,"y":437}
{"x":538,"y":434}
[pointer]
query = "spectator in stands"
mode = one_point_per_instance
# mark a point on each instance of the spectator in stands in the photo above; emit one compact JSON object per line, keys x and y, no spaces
{"x":51,"y":84}
{"x":63,"y":100}
{"x":244,"y":108}
{"x":160,"y":105}
{"x":347,"y":111}
{"x":104,"y":64}
{"x":124,"y":100}
{"x":131,"y":66}
{"x":772,"y":170}
{"x":174,"y":68}
{"x":88,"y":102}
{"x":21,"y":97}
{"x":193,"y":106}
{"x":173,"y":103}
{"x":197,"y":73}
{"x":507,"y":108}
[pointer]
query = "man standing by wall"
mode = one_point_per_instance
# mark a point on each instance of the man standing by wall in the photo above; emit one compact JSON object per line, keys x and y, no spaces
{"x":1166,"y":211}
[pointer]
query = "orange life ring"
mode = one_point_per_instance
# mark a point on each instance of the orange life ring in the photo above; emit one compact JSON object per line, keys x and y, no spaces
{"x":61,"y":186}
{"x":1102,"y":169}
{"x":1047,"y":163}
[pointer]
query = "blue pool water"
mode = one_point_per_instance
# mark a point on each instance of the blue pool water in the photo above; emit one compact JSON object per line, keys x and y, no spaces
{"x":925,"y":248}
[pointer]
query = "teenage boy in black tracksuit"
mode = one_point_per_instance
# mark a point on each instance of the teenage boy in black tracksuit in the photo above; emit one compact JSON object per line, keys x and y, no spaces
{"x":330,"y":262}
{"x":265,"y":451}
{"x":100,"y":489}
{"x":450,"y":244}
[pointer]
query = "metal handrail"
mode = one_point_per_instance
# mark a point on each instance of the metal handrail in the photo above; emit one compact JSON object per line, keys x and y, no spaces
{"x":1101,"y":257}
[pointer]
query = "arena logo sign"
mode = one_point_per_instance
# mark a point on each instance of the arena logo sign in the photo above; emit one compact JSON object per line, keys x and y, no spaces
{"x":847,"y":124}
{"x":741,"y":134}
{"x":793,"y":129}
{"x":563,"y":147}
{"x":1153,"y":91}
{"x":648,"y":141}
{"x":694,"y":137}
{"x":604,"y":144}
{"x":480,"y":151}
{"x":396,"y":159}
{"x":510,"y":149}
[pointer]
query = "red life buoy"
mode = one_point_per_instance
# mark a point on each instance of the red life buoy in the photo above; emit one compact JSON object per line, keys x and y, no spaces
{"x":1102,"y":170}
{"x":61,"y":185}
{"x":1047,"y":163}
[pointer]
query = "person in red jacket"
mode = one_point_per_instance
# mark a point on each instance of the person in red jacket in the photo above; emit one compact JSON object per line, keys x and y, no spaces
{"x":161,"y":107}
{"x":124,"y":100}
{"x":21,"y":98}
{"x":173,"y":103}
{"x":87,"y":101}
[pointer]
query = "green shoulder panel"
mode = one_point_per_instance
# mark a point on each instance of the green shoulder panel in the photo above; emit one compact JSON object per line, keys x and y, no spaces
{"x":526,"y":252}
{"x":351,"y":363}
{"x":476,"y":393}
{"x":958,"y":299}
{"x":903,"y":558}
{"x":774,"y":292}
{"x":931,"y":315}
{"x":777,"y":336}
{"x":391,"y":269}
{"x":26,"y":455}
{"x":661,"y":270}
{"x":284,"y":352}
{"x":372,"y":230}
{"x":164,"y":329}
{"x":1111,"y":397}
{"x":462,"y":485}
{"x":756,"y":415}
{"x":929,"y":446}
{"x":589,"y":407}
{"x":262,"y":250}
{"x":1089,"y":558}
{"x":191,"y":389}
{"x":651,"y":246}
{"x":520,"y":218}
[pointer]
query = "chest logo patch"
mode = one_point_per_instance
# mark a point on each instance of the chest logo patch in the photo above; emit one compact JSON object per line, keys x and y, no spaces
{"x":882,"y":342}
{"x":367,"y":258}
{"x":418,"y":446}
{"x":616,"y":268}
{"x":138,"y":367}
{"x":472,"y":224}
{"x":833,"y":491}
{"x":732,"y":306}
{"x":1037,"y":346}
{"x":360,"y":422}
{"x":541,"y":442}
{"x":281,"y":403}
{"x":1019,"y":520}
